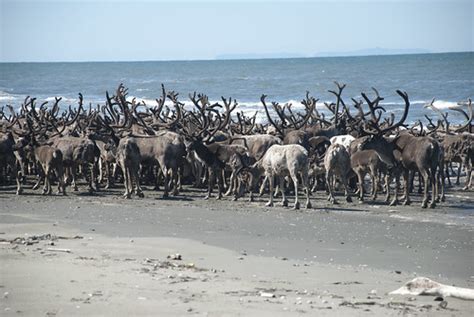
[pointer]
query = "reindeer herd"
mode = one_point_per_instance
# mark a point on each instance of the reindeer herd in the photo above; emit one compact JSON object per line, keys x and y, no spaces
{"x":170,"y":144}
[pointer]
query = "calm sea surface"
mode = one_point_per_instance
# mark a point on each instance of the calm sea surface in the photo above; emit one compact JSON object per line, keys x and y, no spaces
{"x":447,"y":77}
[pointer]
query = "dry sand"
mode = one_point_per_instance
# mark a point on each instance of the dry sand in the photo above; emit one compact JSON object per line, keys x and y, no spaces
{"x":237,"y":258}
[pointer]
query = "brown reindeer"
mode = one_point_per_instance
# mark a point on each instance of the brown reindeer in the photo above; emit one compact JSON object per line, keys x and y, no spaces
{"x":128,"y":158}
{"x":410,"y":152}
{"x":368,"y":161}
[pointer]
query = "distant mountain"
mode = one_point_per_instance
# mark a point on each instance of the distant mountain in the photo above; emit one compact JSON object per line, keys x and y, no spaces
{"x":260,"y":55}
{"x":362,"y":52}
{"x":374,"y":51}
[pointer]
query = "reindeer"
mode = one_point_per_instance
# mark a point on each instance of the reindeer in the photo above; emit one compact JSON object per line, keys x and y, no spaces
{"x":337,"y":164}
{"x":407,"y":151}
{"x":284,"y":160}
{"x":128,"y":158}
{"x":368,"y":161}
{"x":165,"y":148}
{"x":215,"y":156}
{"x":50,"y":159}
{"x":8,"y":159}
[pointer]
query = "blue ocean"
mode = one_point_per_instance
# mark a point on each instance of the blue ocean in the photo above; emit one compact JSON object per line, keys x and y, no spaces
{"x":447,"y":77}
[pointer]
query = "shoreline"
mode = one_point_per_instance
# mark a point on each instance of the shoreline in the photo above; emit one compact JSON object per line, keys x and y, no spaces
{"x":345,"y":257}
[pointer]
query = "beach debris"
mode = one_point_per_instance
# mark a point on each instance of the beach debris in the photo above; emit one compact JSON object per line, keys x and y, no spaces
{"x":30,"y":240}
{"x":443,"y":304}
{"x":347,"y":303}
{"x":398,"y":272}
{"x":5,"y":295}
{"x":347,"y":283}
{"x":425,"y":286}
{"x":176,"y":256}
{"x":267,"y":295}
{"x":59,"y":250}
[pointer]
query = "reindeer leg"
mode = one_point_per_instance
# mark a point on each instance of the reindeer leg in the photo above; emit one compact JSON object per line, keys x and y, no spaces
{"x":447,"y":174}
{"x":459,"y":173}
{"x":100,"y":164}
{"x":237,"y":187}
{"x":304,"y":177}
{"x":73,"y":175}
{"x":40,"y":178}
{"x":136,"y":178}
{"x":434,"y":187}
{"x":129,"y":181}
{"x":176,"y":182}
{"x":277,"y":187}
{"x":281,"y":184}
{"x":270,"y":185}
{"x":126,"y":180}
{"x":210,"y":183}
{"x":387,"y":187}
{"x":252,"y":182}
{"x":397,"y":187}
{"x":468,"y":174}
{"x":406,"y":178}
{"x":375,"y":185}
{"x":420,"y":182}
{"x":46,"y":178}
{"x":329,"y":182}
{"x":61,"y":183}
{"x":108,"y":173}
{"x":294,"y":177}
{"x":345,"y":181}
{"x":231,"y":184}
{"x":262,"y":187}
{"x":166,"y":176}
{"x":361,"y":186}
{"x":180,"y":179}
{"x":220,"y":185}
{"x":469,"y":178}
{"x":425,"y":174}
{"x":48,"y":181}
{"x":443,"y":186}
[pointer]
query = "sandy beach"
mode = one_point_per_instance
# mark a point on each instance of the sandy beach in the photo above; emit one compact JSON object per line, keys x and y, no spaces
{"x":101,"y":255}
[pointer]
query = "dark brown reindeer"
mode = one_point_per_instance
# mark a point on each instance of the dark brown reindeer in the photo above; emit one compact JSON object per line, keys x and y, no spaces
{"x":217,"y":155}
{"x":8,"y":158}
{"x":128,"y":158}
{"x":409,"y":152}
{"x":458,"y":146}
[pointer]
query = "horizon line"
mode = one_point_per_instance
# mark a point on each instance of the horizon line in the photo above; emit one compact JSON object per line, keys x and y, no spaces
{"x":228,"y":59}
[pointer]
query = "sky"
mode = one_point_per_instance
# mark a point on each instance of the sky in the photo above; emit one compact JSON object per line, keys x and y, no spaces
{"x":107,"y":30}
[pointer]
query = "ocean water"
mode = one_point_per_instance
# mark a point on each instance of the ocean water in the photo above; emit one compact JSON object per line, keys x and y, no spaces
{"x":447,"y":77}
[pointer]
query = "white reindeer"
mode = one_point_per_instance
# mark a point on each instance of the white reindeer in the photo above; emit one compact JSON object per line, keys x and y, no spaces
{"x":344,"y":140}
{"x":337,"y":163}
{"x":283,"y":160}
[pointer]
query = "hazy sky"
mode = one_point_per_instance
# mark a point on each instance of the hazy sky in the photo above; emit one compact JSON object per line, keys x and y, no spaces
{"x":156,"y":30}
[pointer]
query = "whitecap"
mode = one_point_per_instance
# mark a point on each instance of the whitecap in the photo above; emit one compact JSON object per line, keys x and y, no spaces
{"x":442,"y":104}
{"x":4,"y":96}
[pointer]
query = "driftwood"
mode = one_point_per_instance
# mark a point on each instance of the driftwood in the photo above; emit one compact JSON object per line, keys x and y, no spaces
{"x":425,"y":286}
{"x":59,"y":250}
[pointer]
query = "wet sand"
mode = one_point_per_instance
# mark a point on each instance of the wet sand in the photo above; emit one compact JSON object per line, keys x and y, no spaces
{"x":330,"y":260}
